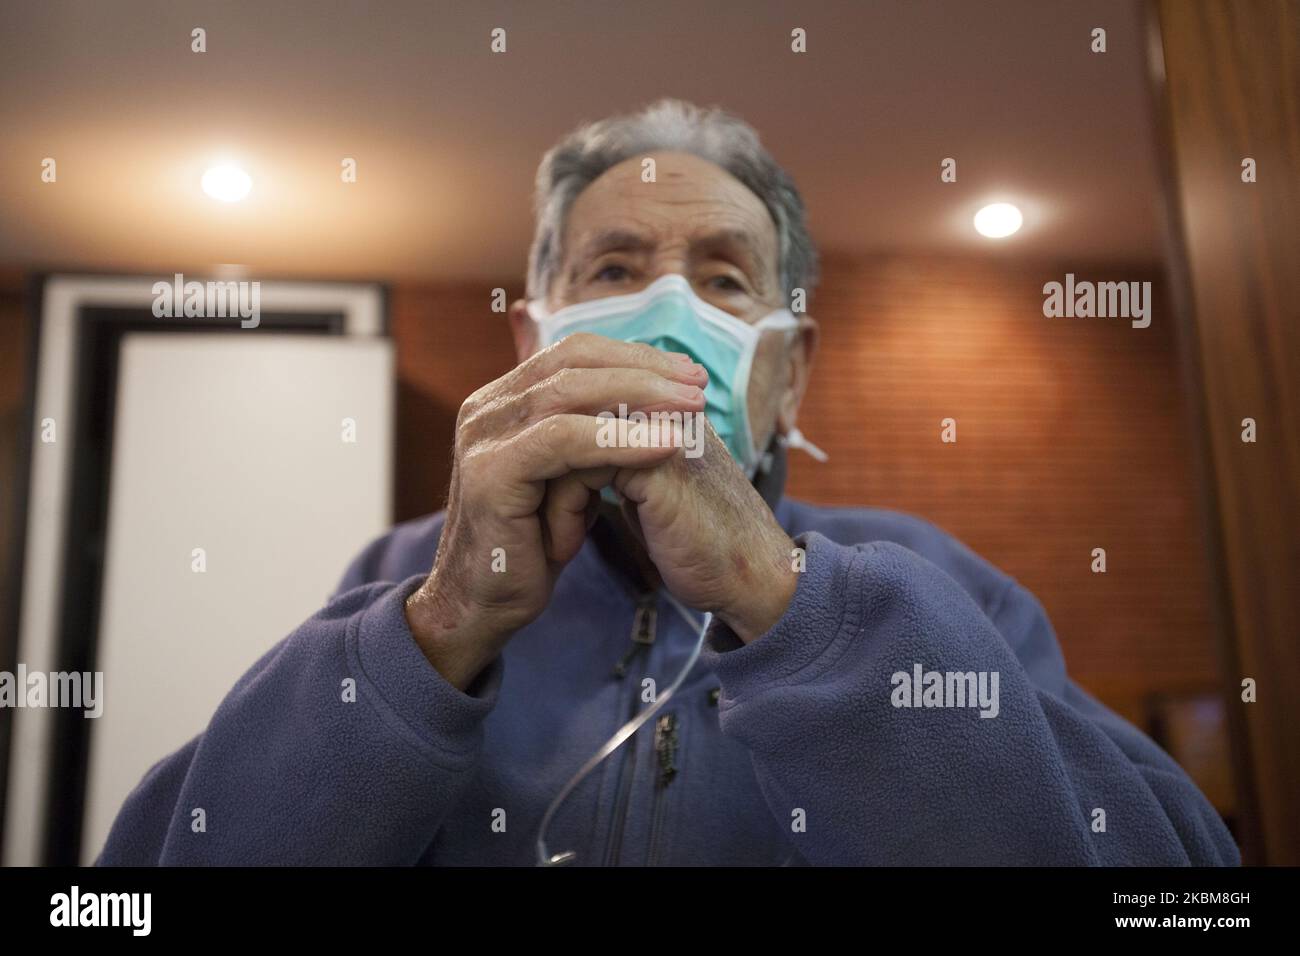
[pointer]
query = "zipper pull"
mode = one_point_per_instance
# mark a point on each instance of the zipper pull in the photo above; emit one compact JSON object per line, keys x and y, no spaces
{"x":666,"y":747}
{"x":643,"y":633}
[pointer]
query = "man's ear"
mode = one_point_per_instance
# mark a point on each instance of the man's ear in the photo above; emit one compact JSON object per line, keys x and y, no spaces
{"x":522,"y":329}
{"x":798,"y":372}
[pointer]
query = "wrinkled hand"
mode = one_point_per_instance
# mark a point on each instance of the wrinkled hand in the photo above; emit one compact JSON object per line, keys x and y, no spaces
{"x":712,"y":537}
{"x":524,"y":489}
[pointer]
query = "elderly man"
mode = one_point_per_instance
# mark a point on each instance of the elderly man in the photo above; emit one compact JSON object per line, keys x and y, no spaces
{"x":869,"y":690}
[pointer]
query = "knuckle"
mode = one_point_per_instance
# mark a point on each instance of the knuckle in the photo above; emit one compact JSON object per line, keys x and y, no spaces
{"x":523,"y":406}
{"x":550,"y":431}
{"x":564,"y":384}
{"x":555,"y":356}
{"x":550,"y":396}
{"x":465,"y":412}
{"x":552,"y":353}
{"x":580,"y":347}
{"x":473,"y":405}
{"x":647,"y":354}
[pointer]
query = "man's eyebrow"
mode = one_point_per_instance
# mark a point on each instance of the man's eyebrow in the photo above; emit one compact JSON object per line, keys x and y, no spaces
{"x":734,"y":237}
{"x":626,"y":240}
{"x":611,"y":239}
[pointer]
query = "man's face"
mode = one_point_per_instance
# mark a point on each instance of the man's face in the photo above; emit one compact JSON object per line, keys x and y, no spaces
{"x":700,"y":222}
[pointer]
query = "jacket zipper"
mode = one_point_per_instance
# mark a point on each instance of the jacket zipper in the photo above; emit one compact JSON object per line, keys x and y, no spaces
{"x":644,"y":624}
{"x":666,"y":743}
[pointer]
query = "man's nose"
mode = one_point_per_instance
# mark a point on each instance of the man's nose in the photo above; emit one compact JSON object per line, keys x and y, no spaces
{"x":670,"y":258}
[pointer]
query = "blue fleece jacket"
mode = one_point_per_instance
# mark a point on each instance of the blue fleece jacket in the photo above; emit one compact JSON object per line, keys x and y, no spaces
{"x":793,"y":749}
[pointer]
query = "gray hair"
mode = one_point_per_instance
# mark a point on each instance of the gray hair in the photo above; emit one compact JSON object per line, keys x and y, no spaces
{"x":712,"y":134}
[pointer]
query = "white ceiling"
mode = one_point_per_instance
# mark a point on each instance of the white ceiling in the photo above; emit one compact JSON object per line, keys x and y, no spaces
{"x":447,"y":135}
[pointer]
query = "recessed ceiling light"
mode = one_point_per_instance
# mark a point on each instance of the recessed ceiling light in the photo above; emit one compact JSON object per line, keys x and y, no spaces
{"x":998,"y":220}
{"x":227,"y":183}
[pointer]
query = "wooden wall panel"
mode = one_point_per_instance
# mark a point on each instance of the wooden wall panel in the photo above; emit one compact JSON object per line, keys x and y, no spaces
{"x":14,"y":353}
{"x":1232,"y":90}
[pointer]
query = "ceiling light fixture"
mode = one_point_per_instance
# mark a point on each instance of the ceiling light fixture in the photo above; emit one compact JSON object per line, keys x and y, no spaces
{"x":227,"y":183}
{"x":998,"y":220}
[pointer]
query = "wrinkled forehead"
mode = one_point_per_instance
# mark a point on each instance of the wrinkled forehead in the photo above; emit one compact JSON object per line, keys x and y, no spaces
{"x":690,"y":204}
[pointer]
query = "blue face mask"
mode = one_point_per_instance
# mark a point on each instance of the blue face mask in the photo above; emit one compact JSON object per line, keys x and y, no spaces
{"x":670,"y":316}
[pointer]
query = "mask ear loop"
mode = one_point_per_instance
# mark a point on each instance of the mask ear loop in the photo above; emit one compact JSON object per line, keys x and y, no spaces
{"x":621,"y":736}
{"x":785,"y":322}
{"x":795,"y":439}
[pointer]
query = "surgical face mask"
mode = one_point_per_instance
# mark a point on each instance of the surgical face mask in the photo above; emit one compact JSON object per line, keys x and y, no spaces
{"x":670,"y":316}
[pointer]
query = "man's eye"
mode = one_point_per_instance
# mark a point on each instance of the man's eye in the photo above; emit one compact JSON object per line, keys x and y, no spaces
{"x":726,"y":283}
{"x":618,"y":272}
